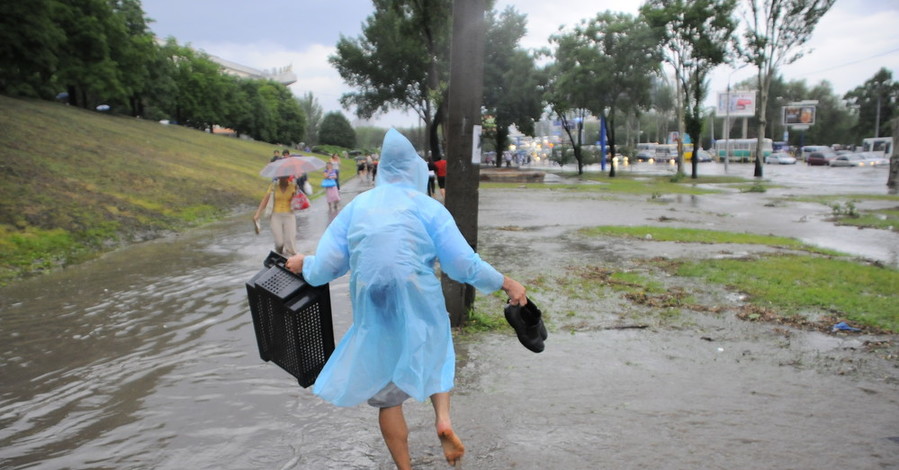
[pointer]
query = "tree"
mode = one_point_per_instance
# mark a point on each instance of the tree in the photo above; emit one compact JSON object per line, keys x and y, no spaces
{"x":336,"y":130}
{"x":399,"y":62}
{"x":132,"y":46}
{"x":30,"y":39}
{"x":85,"y":66}
{"x":568,"y":93}
{"x":774,"y":38}
{"x":697,"y":36}
{"x":512,"y":85}
{"x":628,"y":56}
{"x":876,"y":101}
{"x":313,"y":112}
{"x":200,"y":86}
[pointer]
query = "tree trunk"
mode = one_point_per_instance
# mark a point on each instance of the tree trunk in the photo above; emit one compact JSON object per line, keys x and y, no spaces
{"x":502,"y":138}
{"x":681,"y":103}
{"x":893,"y":178}
{"x":463,"y":127}
{"x":610,"y":132}
{"x":764,"y":82}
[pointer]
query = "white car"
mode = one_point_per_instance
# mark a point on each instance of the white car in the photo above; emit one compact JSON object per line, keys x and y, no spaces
{"x":875,"y":159}
{"x":780,"y":158}
{"x":849,"y":159}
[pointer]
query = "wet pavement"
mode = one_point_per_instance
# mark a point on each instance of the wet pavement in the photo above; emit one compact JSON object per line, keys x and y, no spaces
{"x":146,"y":357}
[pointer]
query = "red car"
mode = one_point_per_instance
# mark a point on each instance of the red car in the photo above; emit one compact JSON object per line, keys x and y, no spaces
{"x":820,"y":159}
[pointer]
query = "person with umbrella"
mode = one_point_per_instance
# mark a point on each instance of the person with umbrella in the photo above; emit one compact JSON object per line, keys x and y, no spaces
{"x":283,"y":220}
{"x":282,"y":190}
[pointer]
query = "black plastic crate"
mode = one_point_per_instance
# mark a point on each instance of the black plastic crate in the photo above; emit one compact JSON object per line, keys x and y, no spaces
{"x":292,"y":320}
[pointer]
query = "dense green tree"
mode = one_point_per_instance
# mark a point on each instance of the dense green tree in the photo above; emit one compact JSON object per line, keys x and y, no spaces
{"x":85,"y":65}
{"x":401,"y":61}
{"x":697,"y":37}
{"x":30,"y":40}
{"x":627,"y":58}
{"x":291,"y":119}
{"x":132,"y":48}
{"x":570,"y":87}
{"x":876,"y":101}
{"x":336,"y":130}
{"x":199,"y":85}
{"x":512,"y":83}
{"x":774,"y":37}
{"x":313,"y":112}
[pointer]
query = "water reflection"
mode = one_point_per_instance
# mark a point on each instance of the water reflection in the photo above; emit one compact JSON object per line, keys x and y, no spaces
{"x":105,"y":364}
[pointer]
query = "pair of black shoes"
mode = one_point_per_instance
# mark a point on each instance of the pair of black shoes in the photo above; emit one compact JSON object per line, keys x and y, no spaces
{"x":528,"y":324}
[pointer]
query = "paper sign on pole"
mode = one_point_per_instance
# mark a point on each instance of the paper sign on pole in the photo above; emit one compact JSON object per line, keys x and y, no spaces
{"x":476,"y":144}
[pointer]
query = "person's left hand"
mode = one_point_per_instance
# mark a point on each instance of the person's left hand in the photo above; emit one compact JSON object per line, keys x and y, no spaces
{"x":294,"y":264}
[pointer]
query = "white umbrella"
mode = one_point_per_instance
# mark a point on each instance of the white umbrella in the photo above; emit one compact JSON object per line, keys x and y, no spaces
{"x":293,"y":165}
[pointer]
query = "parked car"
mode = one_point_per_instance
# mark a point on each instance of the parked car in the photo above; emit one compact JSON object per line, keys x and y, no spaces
{"x":780,"y":158}
{"x":849,"y":159}
{"x":704,"y":156}
{"x":820,"y":159}
{"x":875,"y":158}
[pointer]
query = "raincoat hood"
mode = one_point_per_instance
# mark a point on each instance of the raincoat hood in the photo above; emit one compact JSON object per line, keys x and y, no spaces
{"x":400,"y":164}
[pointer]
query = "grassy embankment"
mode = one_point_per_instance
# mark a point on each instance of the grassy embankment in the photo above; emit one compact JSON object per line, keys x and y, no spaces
{"x":811,"y":290}
{"x":74,"y":183}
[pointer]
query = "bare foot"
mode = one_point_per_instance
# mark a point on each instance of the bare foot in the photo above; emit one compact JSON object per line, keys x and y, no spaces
{"x":452,"y":446}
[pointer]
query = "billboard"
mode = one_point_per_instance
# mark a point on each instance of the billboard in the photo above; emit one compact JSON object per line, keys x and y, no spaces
{"x":799,"y":115}
{"x":736,"y":103}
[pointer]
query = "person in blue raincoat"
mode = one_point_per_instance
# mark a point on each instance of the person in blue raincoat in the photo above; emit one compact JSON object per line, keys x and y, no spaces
{"x":400,"y":343}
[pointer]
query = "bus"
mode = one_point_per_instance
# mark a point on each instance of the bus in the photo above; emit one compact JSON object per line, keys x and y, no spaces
{"x":883,"y":145}
{"x":741,"y":150}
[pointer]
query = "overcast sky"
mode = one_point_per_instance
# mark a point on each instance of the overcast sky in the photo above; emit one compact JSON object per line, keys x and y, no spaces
{"x":853,"y":40}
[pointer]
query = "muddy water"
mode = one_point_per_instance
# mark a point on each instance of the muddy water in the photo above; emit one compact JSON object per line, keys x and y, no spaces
{"x":146,"y":358}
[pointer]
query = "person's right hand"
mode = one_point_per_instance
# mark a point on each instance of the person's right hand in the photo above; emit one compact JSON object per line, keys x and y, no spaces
{"x":294,"y":264}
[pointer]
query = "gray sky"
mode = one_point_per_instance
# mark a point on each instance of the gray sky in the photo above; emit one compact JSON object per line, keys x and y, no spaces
{"x":853,"y":40}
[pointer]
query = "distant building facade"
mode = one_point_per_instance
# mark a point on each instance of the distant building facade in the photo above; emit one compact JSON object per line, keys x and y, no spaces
{"x":282,"y":75}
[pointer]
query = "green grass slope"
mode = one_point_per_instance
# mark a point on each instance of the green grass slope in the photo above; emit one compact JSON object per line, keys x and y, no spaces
{"x":75,"y":182}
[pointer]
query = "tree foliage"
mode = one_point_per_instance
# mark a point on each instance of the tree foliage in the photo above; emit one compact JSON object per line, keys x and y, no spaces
{"x":336,"y":130}
{"x":876,"y":101}
{"x":313,"y":111}
{"x":774,"y":37}
{"x":600,"y":66}
{"x":401,"y":61}
{"x":512,"y":83}
{"x":93,"y":52}
{"x":697,"y":36}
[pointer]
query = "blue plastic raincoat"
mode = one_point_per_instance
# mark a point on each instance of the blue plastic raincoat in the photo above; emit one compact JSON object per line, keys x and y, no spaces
{"x":389,"y":239}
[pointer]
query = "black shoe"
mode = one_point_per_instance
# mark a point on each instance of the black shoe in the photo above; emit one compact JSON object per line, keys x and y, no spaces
{"x":531,"y":332}
{"x":532,"y":314}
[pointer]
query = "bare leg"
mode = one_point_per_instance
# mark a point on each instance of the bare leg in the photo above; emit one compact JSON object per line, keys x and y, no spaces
{"x":396,"y":435}
{"x":452,"y":446}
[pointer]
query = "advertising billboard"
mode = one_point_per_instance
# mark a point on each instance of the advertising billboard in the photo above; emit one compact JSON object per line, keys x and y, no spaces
{"x":736,"y":103}
{"x":799,"y":115}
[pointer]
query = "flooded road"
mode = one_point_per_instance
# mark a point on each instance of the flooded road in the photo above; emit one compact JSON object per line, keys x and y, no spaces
{"x":146,"y":358}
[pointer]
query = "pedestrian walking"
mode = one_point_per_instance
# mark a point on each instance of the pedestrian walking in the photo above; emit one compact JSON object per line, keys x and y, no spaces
{"x":335,"y":160}
{"x":283,"y":220}
{"x":329,"y":182}
{"x":400,"y":345}
{"x":440,"y":169}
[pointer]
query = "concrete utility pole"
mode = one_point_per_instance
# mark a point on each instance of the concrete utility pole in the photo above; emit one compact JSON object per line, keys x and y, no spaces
{"x":466,"y":88}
